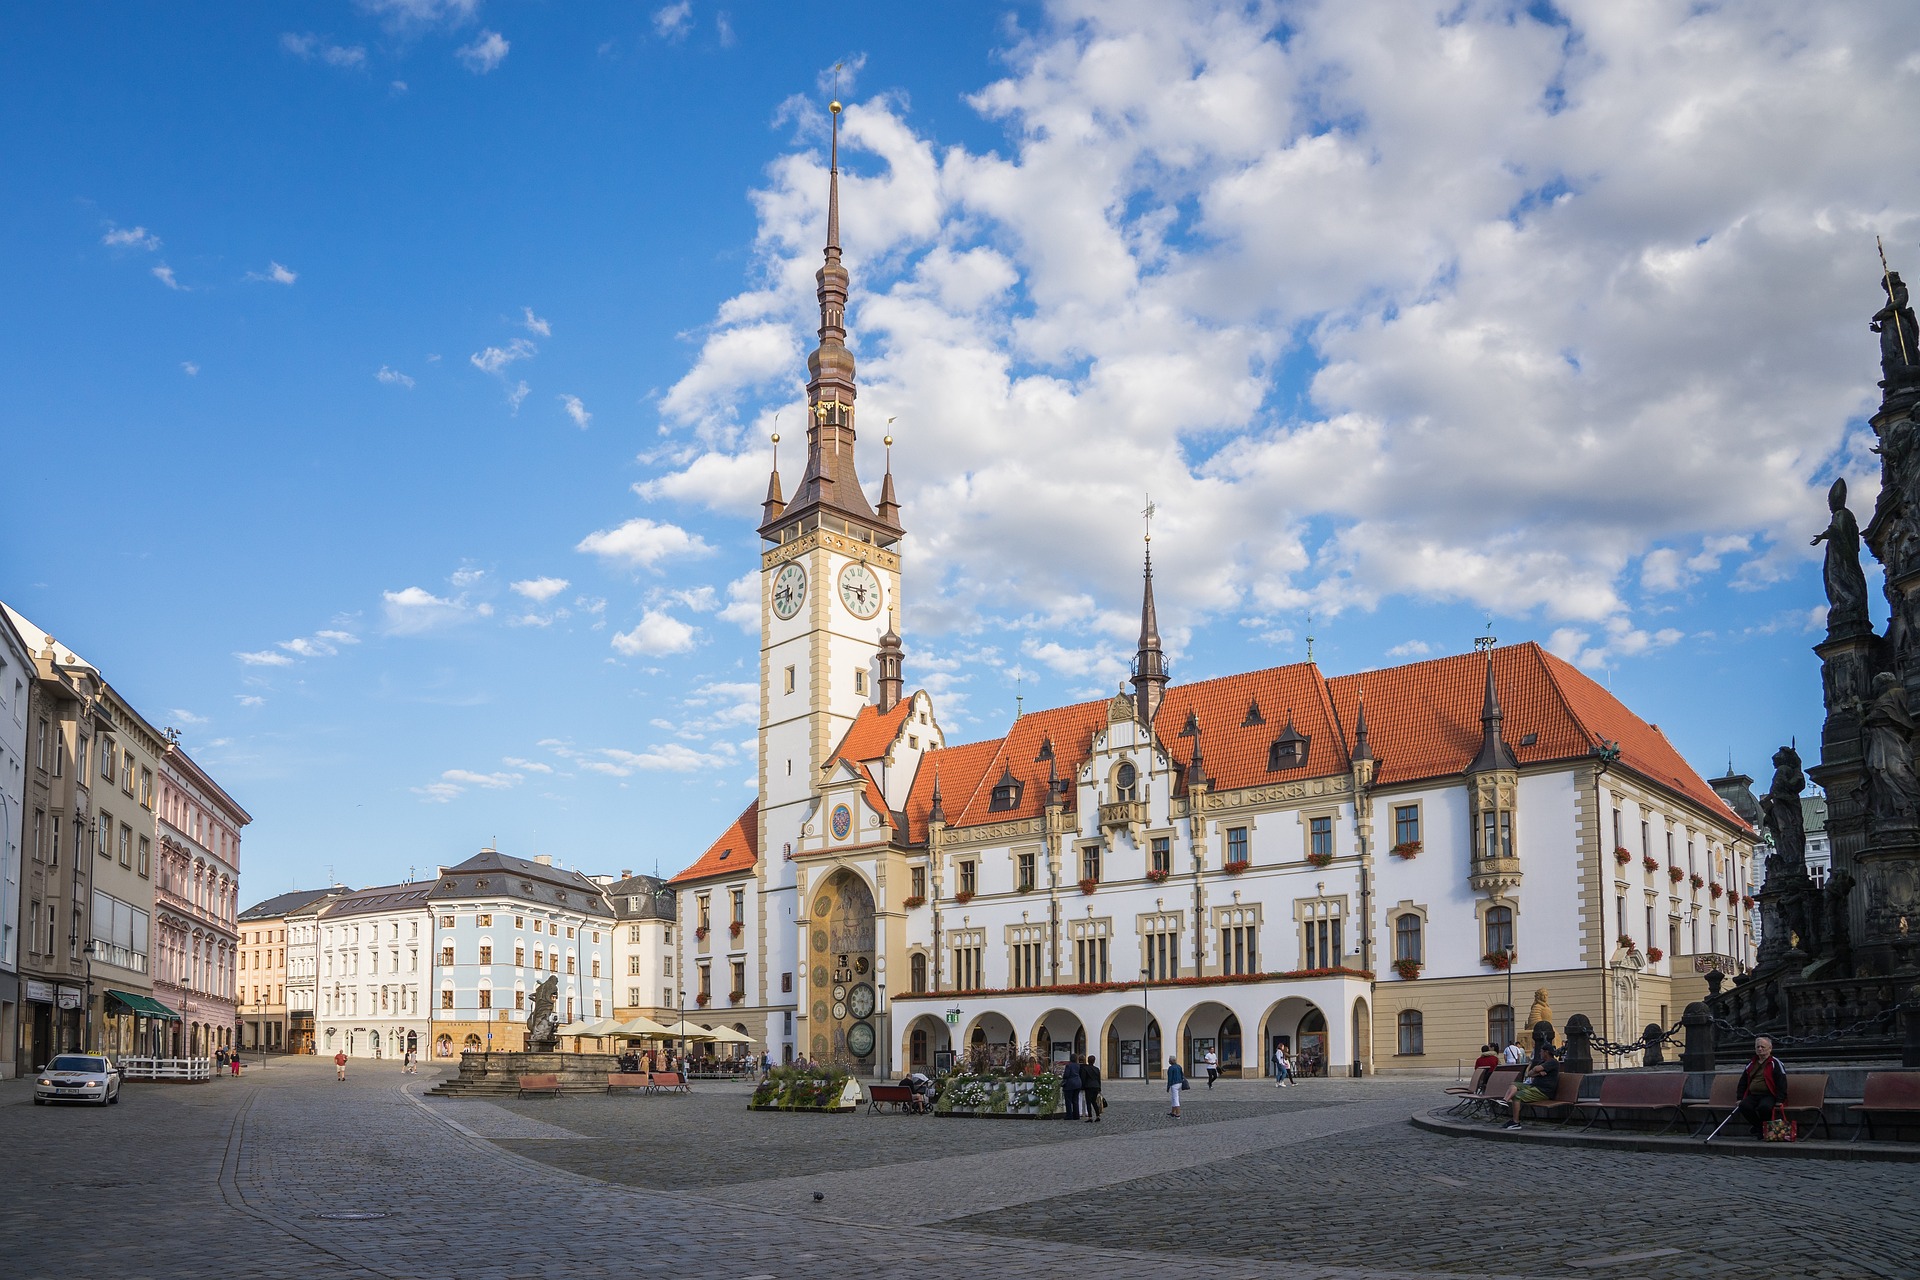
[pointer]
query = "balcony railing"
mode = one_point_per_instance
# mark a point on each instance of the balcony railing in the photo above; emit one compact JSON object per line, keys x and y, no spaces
{"x":124,"y":957}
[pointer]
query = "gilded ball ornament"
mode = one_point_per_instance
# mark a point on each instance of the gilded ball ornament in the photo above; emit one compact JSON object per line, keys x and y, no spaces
{"x":834,"y":107}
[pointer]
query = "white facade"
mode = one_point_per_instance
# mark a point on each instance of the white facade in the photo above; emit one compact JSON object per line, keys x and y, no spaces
{"x":17,"y":677}
{"x":375,"y":967}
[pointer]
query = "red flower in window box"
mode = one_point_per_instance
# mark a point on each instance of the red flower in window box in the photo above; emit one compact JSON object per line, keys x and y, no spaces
{"x":1628,"y":943}
{"x":1748,"y":901}
{"x":1716,"y":889}
{"x":1621,"y":856}
{"x":1089,"y":884}
{"x":1676,"y":875}
{"x":1317,"y":859}
{"x":1405,"y":849}
{"x":1498,"y":959}
{"x":1408,"y":969}
{"x":963,"y":897}
{"x":1649,"y":864}
{"x":735,"y":997}
{"x":1156,"y":875}
{"x":913,"y":900}
{"x":1695,"y":880}
{"x":1656,"y":955}
{"x":701,"y":933}
{"x":1239,"y":866}
{"x":736,"y":928}
{"x":702,"y":999}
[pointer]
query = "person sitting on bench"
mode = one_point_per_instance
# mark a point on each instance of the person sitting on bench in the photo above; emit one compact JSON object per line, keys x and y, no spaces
{"x":1540,"y":1084}
{"x":1762,"y":1087}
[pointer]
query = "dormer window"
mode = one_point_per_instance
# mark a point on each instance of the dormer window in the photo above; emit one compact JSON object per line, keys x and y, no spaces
{"x":1046,"y":750}
{"x":1289,"y":750}
{"x":1006,"y":793}
{"x":1253,"y":715}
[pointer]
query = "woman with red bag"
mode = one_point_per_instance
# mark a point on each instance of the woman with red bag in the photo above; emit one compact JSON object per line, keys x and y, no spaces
{"x":1763,"y":1086}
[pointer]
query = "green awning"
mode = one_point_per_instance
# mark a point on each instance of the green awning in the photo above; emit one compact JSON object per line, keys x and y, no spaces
{"x":146,"y":1006}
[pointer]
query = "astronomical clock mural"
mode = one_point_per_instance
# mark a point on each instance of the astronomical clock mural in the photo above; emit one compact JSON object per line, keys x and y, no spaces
{"x":841,"y":973}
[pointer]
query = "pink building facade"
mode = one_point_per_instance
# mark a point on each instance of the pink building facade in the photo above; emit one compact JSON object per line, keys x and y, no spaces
{"x":196,"y":904}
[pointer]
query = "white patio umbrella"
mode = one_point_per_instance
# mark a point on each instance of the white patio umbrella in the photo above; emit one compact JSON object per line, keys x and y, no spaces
{"x":727,"y":1035}
{"x":641,"y":1027}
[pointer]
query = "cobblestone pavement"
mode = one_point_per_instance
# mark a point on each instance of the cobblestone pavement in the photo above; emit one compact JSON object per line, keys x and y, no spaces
{"x":1325,"y":1181}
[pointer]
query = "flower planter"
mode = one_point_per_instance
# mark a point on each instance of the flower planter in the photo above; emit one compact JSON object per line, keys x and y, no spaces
{"x":1650,"y":865}
{"x":1621,"y":856}
{"x":1089,"y":885}
{"x":735,"y":929}
{"x":1716,"y":890}
{"x":1157,"y":876}
{"x":736,"y":997}
{"x":1238,"y":867}
{"x":963,"y":898}
{"x":1695,"y":881}
{"x":1497,"y":959}
{"x":702,"y":999}
{"x":913,"y":900}
{"x":1676,"y":875}
{"x":700,"y":934}
{"x":1405,"y":849}
{"x":1028,"y":1098}
{"x":1317,"y":859}
{"x":797,"y":1089}
{"x":1655,"y":955}
{"x":1628,"y":944}
{"x":1407,"y":969}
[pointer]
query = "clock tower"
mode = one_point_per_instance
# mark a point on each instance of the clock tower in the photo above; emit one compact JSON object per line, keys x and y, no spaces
{"x":829,"y":576}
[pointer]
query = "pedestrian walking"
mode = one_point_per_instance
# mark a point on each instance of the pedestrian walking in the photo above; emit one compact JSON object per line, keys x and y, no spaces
{"x":1282,"y":1069}
{"x":1176,"y":1081}
{"x":219,"y":1060}
{"x":233,"y":1061}
{"x":1070,"y":1086}
{"x":1212,"y":1062}
{"x":1090,"y":1100}
{"x":340,"y":1065}
{"x":411,"y":1063}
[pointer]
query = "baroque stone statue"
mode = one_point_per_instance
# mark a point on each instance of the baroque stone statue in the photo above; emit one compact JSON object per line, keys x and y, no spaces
{"x":1846,"y":584}
{"x":1780,"y":812}
{"x":543,"y":1025}
{"x":1541,"y":1011}
{"x":1837,"y":940}
{"x":1899,"y":336}
{"x":1892,"y":793}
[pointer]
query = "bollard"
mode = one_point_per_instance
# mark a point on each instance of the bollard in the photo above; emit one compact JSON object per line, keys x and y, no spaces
{"x":1651,"y":1039}
{"x":1579,"y":1053}
{"x":1698,"y":1023}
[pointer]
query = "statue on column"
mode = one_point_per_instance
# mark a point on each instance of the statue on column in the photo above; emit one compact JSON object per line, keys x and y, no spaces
{"x":1892,"y":794}
{"x":1846,"y":584}
{"x":1837,"y":936}
{"x":1780,"y":814}
{"x":1899,"y":335}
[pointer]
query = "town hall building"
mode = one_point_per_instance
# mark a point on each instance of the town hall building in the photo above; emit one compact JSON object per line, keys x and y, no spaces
{"x":1375,"y":870}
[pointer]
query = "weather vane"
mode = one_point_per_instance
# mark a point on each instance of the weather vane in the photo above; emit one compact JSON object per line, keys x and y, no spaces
{"x":1147,"y":515}
{"x":1309,"y":636}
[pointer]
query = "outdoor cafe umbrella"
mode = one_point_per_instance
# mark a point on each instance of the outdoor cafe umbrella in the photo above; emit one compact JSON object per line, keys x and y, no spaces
{"x":684,"y":1030}
{"x":641,"y":1027}
{"x":727,"y":1035}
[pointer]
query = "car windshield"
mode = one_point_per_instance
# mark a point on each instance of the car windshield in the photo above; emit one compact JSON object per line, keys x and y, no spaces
{"x":74,"y":1062}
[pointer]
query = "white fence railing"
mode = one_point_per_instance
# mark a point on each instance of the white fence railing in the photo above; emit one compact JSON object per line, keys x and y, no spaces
{"x":167,"y":1068}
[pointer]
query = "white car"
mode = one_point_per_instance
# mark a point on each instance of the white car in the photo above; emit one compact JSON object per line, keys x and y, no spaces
{"x":78,"y":1077}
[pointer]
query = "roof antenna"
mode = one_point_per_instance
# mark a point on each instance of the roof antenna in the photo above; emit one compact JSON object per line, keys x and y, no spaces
{"x":1019,"y":699}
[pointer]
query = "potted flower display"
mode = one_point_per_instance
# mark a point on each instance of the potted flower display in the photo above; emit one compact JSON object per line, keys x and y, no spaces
{"x":1655,"y":955}
{"x":1498,"y":959}
{"x":1405,"y":849}
{"x":1676,"y":875}
{"x":700,"y":933}
{"x":1716,"y":889}
{"x":1317,"y":859}
{"x":1239,"y":866}
{"x":1408,"y":969}
{"x":913,"y":900}
{"x":963,"y":897}
{"x":1621,"y":856}
{"x":1649,"y":864}
{"x":1628,"y":944}
{"x":737,"y":928}
{"x":702,"y":999}
{"x":1695,"y":880}
{"x":1088,"y":884}
{"x":1157,"y":875}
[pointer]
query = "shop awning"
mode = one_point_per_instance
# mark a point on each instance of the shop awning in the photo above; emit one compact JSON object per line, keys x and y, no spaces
{"x":145,"y":1006}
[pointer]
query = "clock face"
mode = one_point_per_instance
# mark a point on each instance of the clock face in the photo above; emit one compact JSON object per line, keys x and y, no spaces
{"x":839,"y":1010}
{"x":839,"y":991}
{"x":789,"y":589}
{"x":860,"y":1039}
{"x":860,"y":590}
{"x":860,"y":1001}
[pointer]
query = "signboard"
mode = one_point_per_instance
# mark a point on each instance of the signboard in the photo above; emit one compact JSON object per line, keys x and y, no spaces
{"x":953,"y":1017}
{"x":39,"y":992}
{"x":69,"y":997}
{"x":1707,"y":962}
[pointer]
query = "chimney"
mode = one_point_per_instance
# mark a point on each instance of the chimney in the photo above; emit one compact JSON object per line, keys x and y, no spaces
{"x":625,"y":874}
{"x":544,"y":859}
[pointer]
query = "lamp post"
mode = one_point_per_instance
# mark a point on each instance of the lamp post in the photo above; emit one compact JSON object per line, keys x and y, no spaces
{"x":259,"y":1023}
{"x":683,"y":1027}
{"x":886,"y":1030}
{"x":86,"y":1010}
{"x":1513,"y":1019}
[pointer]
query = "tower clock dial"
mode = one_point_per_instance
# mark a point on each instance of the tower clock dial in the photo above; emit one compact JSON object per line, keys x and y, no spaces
{"x":860,"y":1001}
{"x":789,"y":589}
{"x":860,"y":590}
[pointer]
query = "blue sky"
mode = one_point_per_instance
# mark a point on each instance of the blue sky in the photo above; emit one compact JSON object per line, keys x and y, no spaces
{"x":342,"y":336}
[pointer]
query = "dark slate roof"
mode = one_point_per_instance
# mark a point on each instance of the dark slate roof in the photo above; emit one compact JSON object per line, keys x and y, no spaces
{"x":384,"y":897}
{"x":642,"y":898}
{"x":492,"y":874}
{"x":274,"y":908}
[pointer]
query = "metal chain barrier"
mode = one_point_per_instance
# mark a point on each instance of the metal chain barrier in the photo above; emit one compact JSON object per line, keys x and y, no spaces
{"x":1615,"y":1049}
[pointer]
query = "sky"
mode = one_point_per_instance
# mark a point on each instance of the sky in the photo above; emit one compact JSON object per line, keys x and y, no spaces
{"x":391,"y":381}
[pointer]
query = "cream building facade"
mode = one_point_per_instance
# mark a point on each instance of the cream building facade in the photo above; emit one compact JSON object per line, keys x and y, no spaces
{"x":197,"y":904}
{"x":375,"y":967}
{"x":1376,"y":871}
{"x":266,"y":954}
{"x":645,"y":981}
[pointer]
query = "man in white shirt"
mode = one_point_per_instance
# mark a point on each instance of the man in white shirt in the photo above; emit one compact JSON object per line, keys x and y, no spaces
{"x":1212,"y":1063}
{"x":1512,"y":1055}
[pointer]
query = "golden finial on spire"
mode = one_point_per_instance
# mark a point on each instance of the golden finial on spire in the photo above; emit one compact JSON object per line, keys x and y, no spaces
{"x":1147,"y":515}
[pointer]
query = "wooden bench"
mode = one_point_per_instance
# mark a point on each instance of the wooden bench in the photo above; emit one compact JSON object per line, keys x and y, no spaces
{"x":897,"y":1096}
{"x":1566,"y":1097}
{"x":1638,"y":1095}
{"x":667,"y":1082}
{"x":1464,"y":1092}
{"x":626,"y":1080}
{"x":1886,"y":1093}
{"x":1492,"y":1090}
{"x":1722,"y":1096}
{"x":544,"y":1082}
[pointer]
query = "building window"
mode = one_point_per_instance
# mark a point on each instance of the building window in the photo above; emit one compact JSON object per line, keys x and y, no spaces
{"x":486,"y":997}
{"x":107,"y":754}
{"x":739,"y":979}
{"x":633,"y":966}
{"x":446,"y":922}
{"x":1237,"y":844}
{"x":446,"y":957}
{"x":1090,"y":862}
{"x":1162,"y":855}
{"x":569,"y":962}
{"x":1239,"y":949}
{"x":1091,"y":960}
{"x":1024,"y":966}
{"x":706,"y":981}
{"x":40,"y":744}
{"x":1412,"y":1034}
{"x":1619,"y":841}
{"x":666,"y":966}
{"x":1500,"y":1026}
{"x":146,"y":787}
{"x":704,"y":905}
{"x":1320,"y":837}
{"x":126,"y":846}
{"x":484,"y":920}
{"x":967,"y":975}
{"x":1499,"y":930}
{"x":739,"y":907}
{"x":916,"y":972}
{"x":860,"y":680}
{"x":59,"y":750}
{"x":1024,"y":871}
{"x":1406,"y":824}
{"x":1406,"y":938}
{"x":919,"y":877}
{"x":39,"y":834}
{"x":789,"y":681}
{"x":446,"y":1000}
{"x":486,"y":955}
{"x":969,"y":880}
{"x":1646,"y":840}
{"x":596,"y":967}
{"x":1323,"y":942}
{"x":1126,"y":782}
{"x":917,"y":1052}
{"x":1162,"y":942}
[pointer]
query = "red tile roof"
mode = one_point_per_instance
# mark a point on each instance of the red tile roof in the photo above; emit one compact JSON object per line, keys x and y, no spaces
{"x":958,"y":771}
{"x":873,"y":731}
{"x":1235,"y":751}
{"x":1071,"y":730}
{"x":736,"y":851}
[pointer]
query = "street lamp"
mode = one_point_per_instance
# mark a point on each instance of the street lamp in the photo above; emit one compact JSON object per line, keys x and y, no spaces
{"x":86,"y":1010}
{"x":683,"y":1027}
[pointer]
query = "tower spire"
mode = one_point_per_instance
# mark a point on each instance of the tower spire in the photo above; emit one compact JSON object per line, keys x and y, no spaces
{"x":774,"y":503}
{"x":1494,"y":753}
{"x":1149,"y":662}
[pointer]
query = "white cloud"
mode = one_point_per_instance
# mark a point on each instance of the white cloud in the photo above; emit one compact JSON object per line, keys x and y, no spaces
{"x":338,"y":637}
{"x":540,"y":590}
{"x":641,"y":543}
{"x":491,"y":781}
{"x":488,"y":50}
{"x":189,"y":368}
{"x":415,"y":610}
{"x":1410,"y":649}
{"x":577,"y":411}
{"x":439,"y":792}
{"x":466,"y":576}
{"x":410,"y":15}
{"x":527,"y":766}
{"x":656,"y":635}
{"x":187,"y":717}
{"x":393,"y":377}
{"x":494,"y":359}
{"x":723,"y":29}
{"x":518,"y":395}
{"x":311,"y":48}
{"x":164,"y":274}
{"x":534,"y":324}
{"x":274,"y":274}
{"x":743,"y":603}
{"x":265,"y":658}
{"x":250,"y":700}
{"x":668,"y":757}
{"x":130,"y":238}
{"x":673,"y":21}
